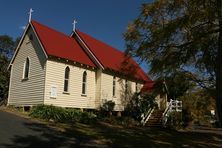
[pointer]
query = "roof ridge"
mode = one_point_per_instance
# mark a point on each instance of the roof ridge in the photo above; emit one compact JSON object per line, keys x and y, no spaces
{"x":53,"y":29}
{"x":58,"y":44}
{"x":87,"y":49}
{"x":117,"y":50}
{"x":111,"y":57}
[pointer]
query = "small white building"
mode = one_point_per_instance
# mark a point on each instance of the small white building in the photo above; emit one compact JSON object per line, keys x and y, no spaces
{"x":77,"y":71}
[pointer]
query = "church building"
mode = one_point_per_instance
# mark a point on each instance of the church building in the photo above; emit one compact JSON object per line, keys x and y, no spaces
{"x":77,"y":70}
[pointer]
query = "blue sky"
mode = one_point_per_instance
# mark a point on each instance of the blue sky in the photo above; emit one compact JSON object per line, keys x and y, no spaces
{"x":105,"y":20}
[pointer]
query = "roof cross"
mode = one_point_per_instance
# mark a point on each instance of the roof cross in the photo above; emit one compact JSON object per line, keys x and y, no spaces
{"x":74,"y":25}
{"x":30,"y":14}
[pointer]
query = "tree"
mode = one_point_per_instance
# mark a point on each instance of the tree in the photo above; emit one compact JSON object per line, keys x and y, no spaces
{"x":177,"y":85}
{"x":7,"y":46}
{"x":181,"y":36}
{"x":197,"y":106}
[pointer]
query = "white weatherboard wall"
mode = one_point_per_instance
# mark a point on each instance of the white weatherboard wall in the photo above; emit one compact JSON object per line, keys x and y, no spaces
{"x":28,"y":92}
{"x":98,"y":87}
{"x":107,"y":90}
{"x":55,"y":77}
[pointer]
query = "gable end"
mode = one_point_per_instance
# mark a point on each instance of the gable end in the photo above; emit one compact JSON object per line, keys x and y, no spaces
{"x":22,"y":39}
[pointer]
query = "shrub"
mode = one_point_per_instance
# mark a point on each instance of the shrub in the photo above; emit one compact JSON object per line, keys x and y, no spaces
{"x":87,"y":117}
{"x":59,"y":114}
{"x":48,"y":113}
{"x":175,"y":120}
{"x":108,"y":105}
{"x":140,"y":103}
{"x":73,"y":115}
{"x":106,"y":108}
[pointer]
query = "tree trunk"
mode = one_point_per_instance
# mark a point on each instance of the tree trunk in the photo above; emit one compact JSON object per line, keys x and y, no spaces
{"x":219,"y":65}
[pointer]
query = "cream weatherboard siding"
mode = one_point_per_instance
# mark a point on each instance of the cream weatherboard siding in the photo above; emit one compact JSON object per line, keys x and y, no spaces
{"x":45,"y":83}
{"x":55,"y":78}
{"x":28,"y":92}
{"x":107,"y":90}
{"x":98,"y":88}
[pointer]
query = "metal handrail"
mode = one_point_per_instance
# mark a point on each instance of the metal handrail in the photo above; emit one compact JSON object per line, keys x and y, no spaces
{"x":147,"y":116}
{"x":165,"y":113}
{"x":173,"y":105}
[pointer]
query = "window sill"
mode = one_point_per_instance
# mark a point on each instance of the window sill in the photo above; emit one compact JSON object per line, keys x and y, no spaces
{"x":83,"y":95}
{"x":25,"y":79}
{"x":67,"y":93}
{"x":114,"y":96}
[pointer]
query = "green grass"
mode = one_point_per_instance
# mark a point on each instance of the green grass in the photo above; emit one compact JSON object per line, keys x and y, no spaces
{"x":106,"y":134}
{"x":116,"y":136}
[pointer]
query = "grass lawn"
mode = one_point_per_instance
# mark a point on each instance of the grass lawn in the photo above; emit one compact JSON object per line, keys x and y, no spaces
{"x":103,"y":134}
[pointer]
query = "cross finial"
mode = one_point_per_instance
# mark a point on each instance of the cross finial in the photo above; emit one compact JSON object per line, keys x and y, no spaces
{"x":30,"y":14}
{"x":74,"y":25}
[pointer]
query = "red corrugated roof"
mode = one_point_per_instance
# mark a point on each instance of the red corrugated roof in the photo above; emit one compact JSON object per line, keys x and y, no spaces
{"x":60,"y":45}
{"x":112,"y":58}
{"x":148,"y":86}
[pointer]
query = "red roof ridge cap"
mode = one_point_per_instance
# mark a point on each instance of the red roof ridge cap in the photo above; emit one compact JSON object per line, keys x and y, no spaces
{"x":88,"y":47}
{"x":50,"y":28}
{"x":41,"y":32}
{"x":117,"y":50}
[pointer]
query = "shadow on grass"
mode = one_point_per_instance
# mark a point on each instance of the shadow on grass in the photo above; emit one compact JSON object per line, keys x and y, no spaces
{"x":151,"y":137}
{"x":105,"y":135}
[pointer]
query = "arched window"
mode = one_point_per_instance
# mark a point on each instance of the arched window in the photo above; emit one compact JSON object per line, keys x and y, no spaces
{"x":136,"y":87}
{"x":66,"y":79}
{"x":114,"y":86}
{"x":84,"y":81}
{"x":126,"y":86}
{"x":26,"y":69}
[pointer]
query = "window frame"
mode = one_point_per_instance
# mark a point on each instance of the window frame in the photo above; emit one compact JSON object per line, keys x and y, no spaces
{"x":126,"y":86}
{"x":26,"y":69}
{"x":114,"y":86}
{"x":84,"y":83}
{"x":136,"y":87}
{"x":66,"y":80}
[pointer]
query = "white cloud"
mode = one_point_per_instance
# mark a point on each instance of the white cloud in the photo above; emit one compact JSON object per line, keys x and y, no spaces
{"x":22,"y":27}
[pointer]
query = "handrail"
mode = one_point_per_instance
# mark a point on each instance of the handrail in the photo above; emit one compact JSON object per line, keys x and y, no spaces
{"x":147,"y":116}
{"x":165,"y":113}
{"x":173,"y":105}
{"x":167,"y":109}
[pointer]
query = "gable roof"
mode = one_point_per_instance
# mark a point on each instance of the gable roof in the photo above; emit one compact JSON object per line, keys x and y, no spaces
{"x":112,"y":58}
{"x":60,"y":45}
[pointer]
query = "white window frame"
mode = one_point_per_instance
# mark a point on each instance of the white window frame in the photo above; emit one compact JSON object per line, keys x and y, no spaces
{"x":84,"y":83}
{"x":136,"y":87}
{"x":66,"y":79}
{"x":126,"y":86}
{"x":114,"y":86}
{"x":24,"y":69}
